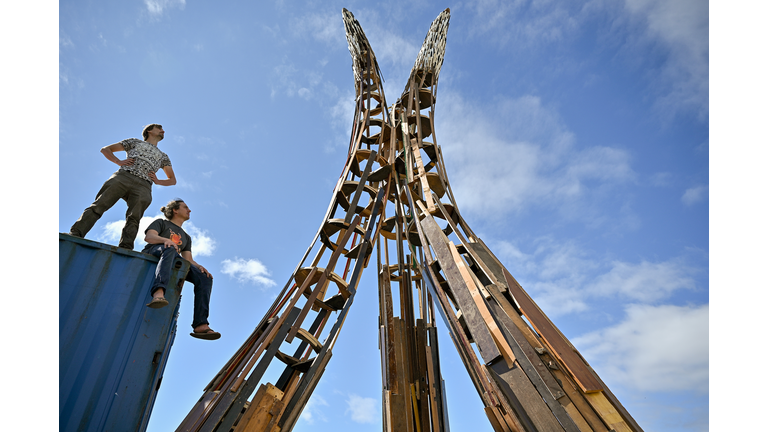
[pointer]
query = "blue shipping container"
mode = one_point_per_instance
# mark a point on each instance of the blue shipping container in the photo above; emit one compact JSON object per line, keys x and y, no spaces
{"x":112,"y":348}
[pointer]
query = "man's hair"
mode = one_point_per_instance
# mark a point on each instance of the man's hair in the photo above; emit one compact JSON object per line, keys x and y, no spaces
{"x":147,"y":128}
{"x":170,"y":207}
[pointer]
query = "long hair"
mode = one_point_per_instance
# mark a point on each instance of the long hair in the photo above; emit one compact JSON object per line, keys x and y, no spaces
{"x":170,"y":207}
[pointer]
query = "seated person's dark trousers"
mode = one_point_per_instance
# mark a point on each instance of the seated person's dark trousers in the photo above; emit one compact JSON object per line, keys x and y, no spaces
{"x":203,"y":284}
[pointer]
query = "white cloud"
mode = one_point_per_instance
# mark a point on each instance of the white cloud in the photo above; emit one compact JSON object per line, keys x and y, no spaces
{"x":694,"y":195}
{"x":675,"y":34}
{"x":523,"y":22}
{"x":157,"y":7}
{"x":506,"y":156}
{"x":111,"y":231}
{"x":202,"y":243}
{"x":646,"y":281}
{"x":327,"y":27}
{"x":657,"y":348}
{"x":251,"y":270}
{"x":564,"y":278}
{"x":682,"y":27}
{"x":558,"y":298}
{"x":362,"y":409}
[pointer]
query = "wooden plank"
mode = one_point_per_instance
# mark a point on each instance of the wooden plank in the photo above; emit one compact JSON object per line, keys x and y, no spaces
{"x":242,"y":423}
{"x":421,"y":175}
{"x":275,"y":326}
{"x":546,"y":374}
{"x":511,"y":421}
{"x":607,"y":412}
{"x":199,"y":412}
{"x":498,"y":338}
{"x":494,"y":420}
{"x":388,"y":327}
{"x":572,"y":411}
{"x":401,"y":414}
{"x":415,"y":405}
{"x":229,"y":407}
{"x":422,"y":386}
{"x":516,"y":386}
{"x":405,"y":377}
{"x":619,"y":407}
{"x":459,"y":338}
{"x":483,"y":338}
{"x":577,"y":397}
{"x":262,"y":410}
{"x":386,"y":409}
{"x":519,"y":337}
{"x":532,"y":372}
{"x":433,"y":391}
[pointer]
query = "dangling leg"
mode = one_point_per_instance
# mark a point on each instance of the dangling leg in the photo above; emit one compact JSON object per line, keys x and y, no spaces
{"x":203,"y":287}
{"x":162,"y":274}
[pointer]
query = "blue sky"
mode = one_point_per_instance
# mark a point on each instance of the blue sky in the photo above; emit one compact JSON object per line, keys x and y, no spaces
{"x":576,"y":139}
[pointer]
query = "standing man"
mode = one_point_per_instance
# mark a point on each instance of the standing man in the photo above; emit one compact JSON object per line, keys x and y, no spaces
{"x":132,"y":182}
{"x":166,"y":240}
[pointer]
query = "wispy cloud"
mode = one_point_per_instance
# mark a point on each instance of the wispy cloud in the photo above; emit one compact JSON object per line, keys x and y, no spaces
{"x":675,"y":34}
{"x":157,"y":7}
{"x":656,"y":348}
{"x":521,"y":148}
{"x":337,"y":105}
{"x":694,"y":195}
{"x":251,"y":270}
{"x":682,"y":27}
{"x":565,"y":278}
{"x":645,"y":281}
{"x":523,"y":22}
{"x":661,"y":179}
{"x":323,"y":26}
{"x":65,"y":41}
{"x":362,"y":409}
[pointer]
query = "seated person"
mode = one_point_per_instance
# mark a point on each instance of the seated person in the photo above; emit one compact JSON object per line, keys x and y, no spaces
{"x":166,"y":239}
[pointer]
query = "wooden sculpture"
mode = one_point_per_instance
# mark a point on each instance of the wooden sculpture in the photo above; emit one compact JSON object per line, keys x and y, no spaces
{"x":394,"y":196}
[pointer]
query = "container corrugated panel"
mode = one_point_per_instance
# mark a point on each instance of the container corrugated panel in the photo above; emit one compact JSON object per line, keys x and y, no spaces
{"x":112,"y":348}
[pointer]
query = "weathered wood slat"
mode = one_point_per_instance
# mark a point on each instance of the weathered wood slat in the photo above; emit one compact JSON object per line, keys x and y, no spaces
{"x":231,"y":404}
{"x":498,"y":338}
{"x":480,"y":333}
{"x":516,"y":386}
{"x":529,"y":351}
{"x":607,"y":412}
{"x":532,"y":372}
{"x":261,"y":411}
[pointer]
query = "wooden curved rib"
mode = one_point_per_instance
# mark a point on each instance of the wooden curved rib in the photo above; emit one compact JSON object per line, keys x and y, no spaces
{"x":303,"y":272}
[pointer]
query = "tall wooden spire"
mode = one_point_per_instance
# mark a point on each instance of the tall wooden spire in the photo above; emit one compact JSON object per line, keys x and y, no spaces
{"x":393,"y":196}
